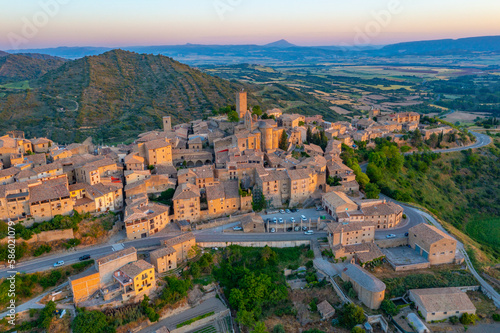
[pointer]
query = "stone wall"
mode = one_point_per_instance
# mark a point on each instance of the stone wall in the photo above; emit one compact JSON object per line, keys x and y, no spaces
{"x":278,"y":244}
{"x":221,"y":221}
{"x":392,"y":242}
{"x":410,"y":267}
{"x":46,"y":236}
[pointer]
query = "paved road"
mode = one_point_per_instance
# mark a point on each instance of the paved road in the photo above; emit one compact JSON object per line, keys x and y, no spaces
{"x":212,"y":304}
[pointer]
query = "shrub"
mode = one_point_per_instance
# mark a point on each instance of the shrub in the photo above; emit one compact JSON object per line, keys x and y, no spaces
{"x":310,"y":254}
{"x":389,"y":307}
{"x":351,"y":315}
{"x":44,"y":248}
{"x":279,"y":329}
{"x":309,"y":264}
{"x":454,"y":320}
{"x":357,"y":329}
{"x":496,"y":317}
{"x":468,"y":318}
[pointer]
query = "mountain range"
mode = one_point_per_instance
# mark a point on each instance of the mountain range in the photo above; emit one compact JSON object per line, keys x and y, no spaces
{"x":118,"y":94}
{"x":284,"y":51}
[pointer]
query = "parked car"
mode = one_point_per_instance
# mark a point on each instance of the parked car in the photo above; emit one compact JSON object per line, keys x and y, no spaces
{"x":292,"y":219}
{"x":391,"y":236}
{"x":275,"y":220}
{"x":297,"y":228}
{"x":84,"y":257}
{"x":318,"y":208}
{"x":294,"y":210}
{"x":282,"y":211}
{"x":309,"y":232}
{"x":288,"y":211}
{"x":406,"y":234}
{"x":289,"y":229}
{"x":304,"y":228}
{"x":59,"y":263}
{"x":273,"y":230}
{"x":303,"y":218}
{"x":280,"y":220}
{"x":237,"y":228}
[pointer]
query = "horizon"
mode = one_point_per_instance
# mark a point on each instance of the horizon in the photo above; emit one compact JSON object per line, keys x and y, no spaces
{"x":114,"y":24}
{"x":265,"y":44}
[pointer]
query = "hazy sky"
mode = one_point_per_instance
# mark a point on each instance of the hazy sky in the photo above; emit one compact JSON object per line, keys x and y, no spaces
{"x":51,"y":23}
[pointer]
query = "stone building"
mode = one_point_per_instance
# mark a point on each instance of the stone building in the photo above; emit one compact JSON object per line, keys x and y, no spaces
{"x":182,"y":244}
{"x":441,"y":303}
{"x":107,"y":265}
{"x":432,"y":244}
{"x":84,"y":285}
{"x":164,"y":259}
{"x":370,"y":290}
{"x":186,"y":202}
{"x":136,"y":279}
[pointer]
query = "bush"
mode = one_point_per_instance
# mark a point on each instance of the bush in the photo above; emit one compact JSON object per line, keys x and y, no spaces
{"x":175,"y":290}
{"x":357,"y":329}
{"x":310,"y":254}
{"x":309,"y":264}
{"x":91,"y":322}
{"x":44,"y":248}
{"x":389,"y":307}
{"x":51,"y":280}
{"x":313,"y":305}
{"x":496,"y":317}
{"x":454,"y":320}
{"x":468,"y":318}
{"x":279,"y":329}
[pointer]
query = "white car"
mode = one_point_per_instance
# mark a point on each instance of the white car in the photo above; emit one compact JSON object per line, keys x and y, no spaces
{"x":292,"y":220}
{"x":59,"y":263}
{"x":390,"y":236}
{"x":287,"y":211}
{"x":303,"y":218}
{"x":309,"y":232}
{"x":273,"y":230}
{"x":275,"y":220}
{"x":280,"y":220}
{"x":282,"y":211}
{"x":237,"y":228}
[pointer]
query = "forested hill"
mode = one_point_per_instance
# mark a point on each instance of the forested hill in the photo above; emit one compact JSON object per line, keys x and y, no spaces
{"x":116,"y":95}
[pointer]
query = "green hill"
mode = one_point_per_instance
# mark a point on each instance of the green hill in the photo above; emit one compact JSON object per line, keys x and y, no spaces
{"x":116,"y":95}
{"x":17,"y":67}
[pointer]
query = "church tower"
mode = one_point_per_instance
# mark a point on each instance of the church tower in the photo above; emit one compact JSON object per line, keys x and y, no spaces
{"x":241,"y":103}
{"x":167,"y":124}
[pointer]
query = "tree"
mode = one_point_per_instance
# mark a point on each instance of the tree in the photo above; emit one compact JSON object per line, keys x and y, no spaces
{"x":283,"y":143}
{"x":351,"y":315}
{"x":357,"y":329}
{"x":233,"y":117}
{"x":166,"y":197}
{"x":389,"y":307}
{"x":245,"y":318}
{"x":301,"y":123}
{"x":308,"y":135}
{"x":279,"y":329}
{"x":333,"y":181}
{"x":46,"y":315}
{"x":260,"y":327}
{"x":91,"y":322}
{"x":195,"y":270}
{"x":257,"y":110}
{"x":372,"y":191}
{"x":374,"y":172}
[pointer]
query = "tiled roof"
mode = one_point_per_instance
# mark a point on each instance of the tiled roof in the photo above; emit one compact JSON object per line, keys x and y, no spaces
{"x":215,"y":192}
{"x":116,"y":255}
{"x":337,"y":199}
{"x":135,"y":268}
{"x":387,"y":208}
{"x":179,"y":239}
{"x":186,"y":191}
{"x":429,"y":233}
{"x":155,"y":144}
{"x":47,"y":192}
{"x":443,"y":299}
{"x":161,"y":252}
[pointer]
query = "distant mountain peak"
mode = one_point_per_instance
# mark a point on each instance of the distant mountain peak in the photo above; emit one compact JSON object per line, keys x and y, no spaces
{"x":282,"y":43}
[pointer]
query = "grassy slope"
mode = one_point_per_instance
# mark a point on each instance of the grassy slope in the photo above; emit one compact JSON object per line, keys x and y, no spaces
{"x":462,"y":189}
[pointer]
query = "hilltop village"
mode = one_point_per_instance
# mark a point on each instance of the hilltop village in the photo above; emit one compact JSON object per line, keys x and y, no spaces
{"x":217,"y":169}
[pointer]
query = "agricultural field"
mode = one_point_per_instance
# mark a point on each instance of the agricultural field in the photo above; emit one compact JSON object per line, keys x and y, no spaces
{"x":16,"y":85}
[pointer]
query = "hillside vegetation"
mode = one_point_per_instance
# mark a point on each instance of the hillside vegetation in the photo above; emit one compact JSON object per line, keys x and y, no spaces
{"x":17,"y":67}
{"x":116,"y":95}
{"x":461,"y":188}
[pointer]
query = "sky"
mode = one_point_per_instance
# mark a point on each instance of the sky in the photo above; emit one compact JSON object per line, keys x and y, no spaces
{"x":114,"y":23}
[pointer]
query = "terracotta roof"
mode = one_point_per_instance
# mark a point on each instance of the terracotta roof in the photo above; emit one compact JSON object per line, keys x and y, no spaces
{"x":178,"y":239}
{"x":443,"y":299}
{"x":335,"y":227}
{"x":215,"y":192}
{"x":116,"y":255}
{"x":9,"y":172}
{"x":337,"y":199}
{"x":40,"y":141}
{"x":161,"y":252}
{"x":429,"y":233}
{"x":47,"y":192}
{"x":155,"y":144}
{"x":186,"y":191}
{"x":298,"y":174}
{"x":135,"y":268}
{"x":387,"y":208}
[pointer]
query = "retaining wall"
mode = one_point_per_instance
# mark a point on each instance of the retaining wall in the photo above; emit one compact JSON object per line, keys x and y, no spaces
{"x":46,"y":236}
{"x":392,"y":242}
{"x":279,"y":244}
